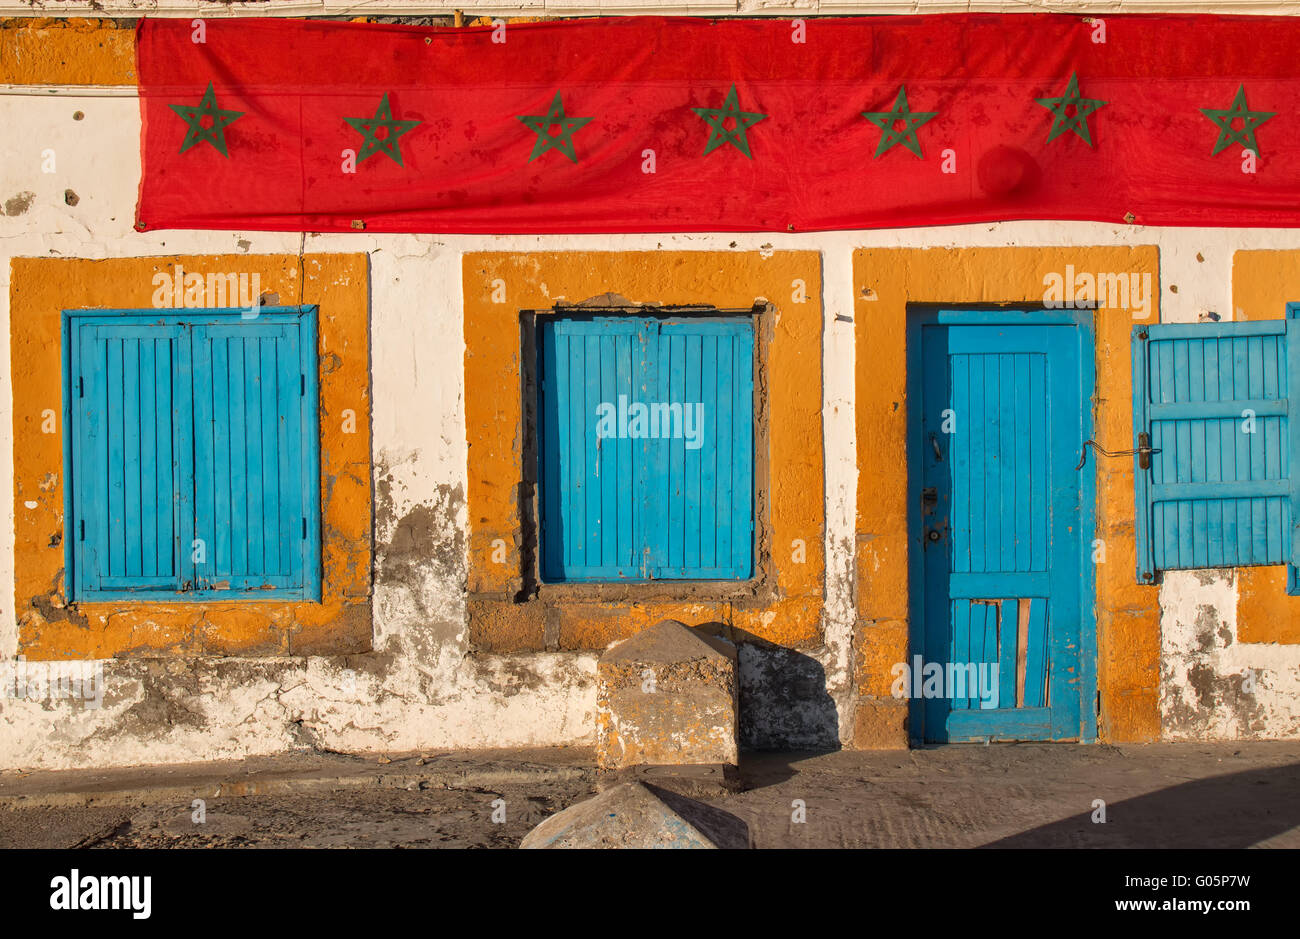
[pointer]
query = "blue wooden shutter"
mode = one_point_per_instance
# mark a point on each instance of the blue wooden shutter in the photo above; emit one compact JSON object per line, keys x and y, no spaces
{"x":193,"y":456}
{"x":1216,"y":494}
{"x":129,"y":456}
{"x":254,"y":468}
{"x":656,"y":507}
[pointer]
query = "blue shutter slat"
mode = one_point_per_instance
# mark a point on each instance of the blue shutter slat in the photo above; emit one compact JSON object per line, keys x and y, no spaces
{"x":607,"y":457}
{"x":726,"y":456}
{"x":130,"y":481}
{"x":645,"y":358}
{"x":229,"y":410}
{"x":627,"y":365}
{"x":591,"y":456}
{"x":274,"y":503}
{"x":692,"y":472}
{"x":1215,"y":495}
{"x":253,"y":380}
{"x":300,"y":432}
{"x":742,"y":490}
{"x":675,"y":447}
{"x":654,"y":536}
{"x":183,"y":447}
{"x":659,"y":371}
{"x":114,"y":564}
{"x":575,"y":522}
{"x":213,"y":450}
{"x":149,"y":547}
{"x":709,"y":378}
{"x":288,"y":404}
{"x":645,"y":508}
{"x":553,"y":418}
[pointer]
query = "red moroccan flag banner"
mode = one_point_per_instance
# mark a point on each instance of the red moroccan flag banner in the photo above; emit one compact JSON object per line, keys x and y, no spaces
{"x":670,"y":124}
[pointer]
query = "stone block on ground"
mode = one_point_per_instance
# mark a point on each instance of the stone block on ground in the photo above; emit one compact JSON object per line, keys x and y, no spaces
{"x":668,"y":695}
{"x":635,"y":815}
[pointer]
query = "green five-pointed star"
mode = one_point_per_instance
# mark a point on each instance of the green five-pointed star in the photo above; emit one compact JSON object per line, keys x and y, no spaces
{"x":214,"y":131}
{"x":1071,"y":112}
{"x":720,"y":133}
{"x":1245,"y":135}
{"x":888,"y":122}
{"x":541,"y":124}
{"x":381,"y":133}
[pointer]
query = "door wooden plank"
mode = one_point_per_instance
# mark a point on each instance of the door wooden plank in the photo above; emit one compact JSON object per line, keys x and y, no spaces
{"x":959,"y":460}
{"x":1008,"y":651}
{"x":1039,"y":510}
{"x":968,"y":623}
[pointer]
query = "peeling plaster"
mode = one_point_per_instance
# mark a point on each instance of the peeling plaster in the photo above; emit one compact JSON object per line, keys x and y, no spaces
{"x":1212,"y":686}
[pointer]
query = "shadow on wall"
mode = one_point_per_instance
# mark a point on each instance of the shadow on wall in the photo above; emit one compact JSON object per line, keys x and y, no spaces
{"x":1238,"y":810}
{"x":784,"y":704}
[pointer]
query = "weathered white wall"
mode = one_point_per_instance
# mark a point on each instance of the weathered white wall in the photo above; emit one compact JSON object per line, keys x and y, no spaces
{"x":420,"y":689}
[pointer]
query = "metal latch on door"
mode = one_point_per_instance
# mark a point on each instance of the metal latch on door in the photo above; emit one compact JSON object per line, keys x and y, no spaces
{"x":1143,"y":451}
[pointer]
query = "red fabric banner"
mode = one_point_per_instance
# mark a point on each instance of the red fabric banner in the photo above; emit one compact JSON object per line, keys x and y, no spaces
{"x":656,"y":125}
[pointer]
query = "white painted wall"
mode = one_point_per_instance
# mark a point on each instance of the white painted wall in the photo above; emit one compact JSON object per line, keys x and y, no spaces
{"x":434,"y":695}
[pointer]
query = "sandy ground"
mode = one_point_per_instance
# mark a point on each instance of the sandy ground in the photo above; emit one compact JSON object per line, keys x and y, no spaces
{"x":1017,"y":795}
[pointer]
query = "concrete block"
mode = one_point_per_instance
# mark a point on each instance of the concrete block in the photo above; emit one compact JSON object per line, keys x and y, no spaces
{"x":635,"y":815}
{"x":668,"y":695}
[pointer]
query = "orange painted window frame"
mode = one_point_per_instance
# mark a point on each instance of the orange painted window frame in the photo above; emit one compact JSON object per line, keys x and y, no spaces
{"x":498,"y":288}
{"x":49,"y":626}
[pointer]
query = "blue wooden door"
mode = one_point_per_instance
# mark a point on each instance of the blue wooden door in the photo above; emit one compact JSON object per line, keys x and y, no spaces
{"x":1002,"y":557}
{"x":646,"y":448}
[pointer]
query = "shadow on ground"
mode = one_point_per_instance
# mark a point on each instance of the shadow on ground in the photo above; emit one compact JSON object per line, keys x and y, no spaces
{"x":1237,"y":810}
